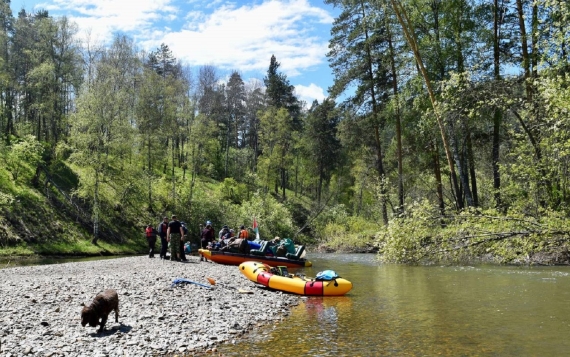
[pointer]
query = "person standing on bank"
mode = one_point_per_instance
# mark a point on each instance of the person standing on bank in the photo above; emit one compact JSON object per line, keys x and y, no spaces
{"x":162,"y":228}
{"x":151,"y":239}
{"x":206,"y":237}
{"x":174,"y":235}
{"x":185,"y":233}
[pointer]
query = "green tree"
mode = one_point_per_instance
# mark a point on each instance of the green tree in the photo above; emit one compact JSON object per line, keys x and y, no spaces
{"x":322,"y":146}
{"x":280,"y":93}
{"x":103,"y":131}
{"x":358,"y":58}
{"x":235,"y":124}
{"x":276,"y":141}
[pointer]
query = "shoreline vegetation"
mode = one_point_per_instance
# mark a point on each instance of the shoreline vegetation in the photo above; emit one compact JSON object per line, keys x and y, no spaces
{"x":446,"y":158}
{"x":154,"y":319}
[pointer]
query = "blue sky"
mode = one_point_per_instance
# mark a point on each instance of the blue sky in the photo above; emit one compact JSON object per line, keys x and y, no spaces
{"x":231,"y":35}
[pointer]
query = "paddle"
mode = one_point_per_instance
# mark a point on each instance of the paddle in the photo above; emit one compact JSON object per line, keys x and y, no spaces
{"x":241,"y":291}
{"x":182,"y":280}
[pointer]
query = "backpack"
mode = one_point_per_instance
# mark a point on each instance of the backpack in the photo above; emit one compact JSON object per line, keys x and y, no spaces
{"x":327,"y":275}
{"x":184,"y":229}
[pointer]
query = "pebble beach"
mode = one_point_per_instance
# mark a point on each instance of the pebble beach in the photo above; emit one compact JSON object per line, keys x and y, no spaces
{"x":40,"y":308}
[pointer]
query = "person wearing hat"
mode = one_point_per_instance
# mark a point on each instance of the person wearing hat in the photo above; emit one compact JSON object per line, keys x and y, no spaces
{"x":162,"y":228}
{"x":206,"y":237}
{"x":174,"y":235}
{"x":151,"y":239}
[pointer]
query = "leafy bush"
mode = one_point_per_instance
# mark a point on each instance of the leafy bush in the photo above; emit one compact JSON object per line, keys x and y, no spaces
{"x":6,"y":199}
{"x":27,"y":151}
{"x":273,"y":218}
{"x":421,"y":235}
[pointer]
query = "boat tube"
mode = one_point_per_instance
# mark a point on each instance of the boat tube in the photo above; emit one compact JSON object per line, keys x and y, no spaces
{"x":224,"y":257}
{"x":260,"y":273}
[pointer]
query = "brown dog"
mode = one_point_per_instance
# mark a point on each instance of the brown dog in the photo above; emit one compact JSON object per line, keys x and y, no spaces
{"x":100,"y":308}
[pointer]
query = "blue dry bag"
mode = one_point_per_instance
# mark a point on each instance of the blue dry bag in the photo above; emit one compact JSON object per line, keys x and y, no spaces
{"x":327,"y":275}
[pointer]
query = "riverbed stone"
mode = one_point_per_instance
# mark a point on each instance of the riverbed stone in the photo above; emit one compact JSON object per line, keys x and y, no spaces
{"x":151,"y":311}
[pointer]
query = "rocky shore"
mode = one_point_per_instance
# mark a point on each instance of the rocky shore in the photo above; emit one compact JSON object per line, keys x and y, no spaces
{"x":41,"y":306}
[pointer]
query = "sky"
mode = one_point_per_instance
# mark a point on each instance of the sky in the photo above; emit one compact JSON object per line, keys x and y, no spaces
{"x":230,"y":35}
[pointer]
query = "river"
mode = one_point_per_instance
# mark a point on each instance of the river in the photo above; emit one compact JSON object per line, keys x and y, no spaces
{"x":398,"y":310}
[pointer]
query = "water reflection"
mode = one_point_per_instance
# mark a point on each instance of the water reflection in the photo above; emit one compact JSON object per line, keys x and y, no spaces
{"x":400,"y":310}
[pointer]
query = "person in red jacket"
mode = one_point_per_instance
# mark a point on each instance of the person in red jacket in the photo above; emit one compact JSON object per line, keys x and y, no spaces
{"x":151,"y":239}
{"x":243,"y":233}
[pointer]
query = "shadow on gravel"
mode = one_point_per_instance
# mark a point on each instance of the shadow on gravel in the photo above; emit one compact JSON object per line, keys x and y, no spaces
{"x":113,"y":330}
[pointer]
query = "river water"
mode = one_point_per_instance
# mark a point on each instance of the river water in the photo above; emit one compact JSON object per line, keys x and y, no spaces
{"x":398,"y":310}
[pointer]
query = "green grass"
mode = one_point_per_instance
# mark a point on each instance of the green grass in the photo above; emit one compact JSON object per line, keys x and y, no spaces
{"x":74,"y":248}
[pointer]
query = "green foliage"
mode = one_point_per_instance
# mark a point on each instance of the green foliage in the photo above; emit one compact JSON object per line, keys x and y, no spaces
{"x":422,"y":236}
{"x":273,"y":218}
{"x":141,"y":138}
{"x":232,"y":191}
{"x":6,"y":199}
{"x":339,"y":230}
{"x":26,"y":152}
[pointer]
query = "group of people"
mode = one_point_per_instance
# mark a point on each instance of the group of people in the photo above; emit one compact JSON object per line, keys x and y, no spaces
{"x":208,"y":236}
{"x":174,"y":232}
{"x":171,"y":235}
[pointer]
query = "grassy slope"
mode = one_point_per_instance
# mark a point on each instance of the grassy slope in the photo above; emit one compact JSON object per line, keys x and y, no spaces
{"x":41,"y":220}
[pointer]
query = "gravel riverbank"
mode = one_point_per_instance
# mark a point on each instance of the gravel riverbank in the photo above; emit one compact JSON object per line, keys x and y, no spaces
{"x":41,"y":306}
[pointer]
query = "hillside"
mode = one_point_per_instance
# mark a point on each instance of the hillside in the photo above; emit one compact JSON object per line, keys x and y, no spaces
{"x":40,"y":215}
{"x":43,"y":213}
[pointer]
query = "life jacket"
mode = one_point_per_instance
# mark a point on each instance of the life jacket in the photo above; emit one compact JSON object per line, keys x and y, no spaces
{"x":162,"y":228}
{"x":243,"y":234}
{"x":150,"y":232}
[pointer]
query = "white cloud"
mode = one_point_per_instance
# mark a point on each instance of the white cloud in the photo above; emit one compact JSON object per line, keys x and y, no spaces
{"x":229,"y":36}
{"x":310,"y":93}
{"x":245,"y":37}
{"x":103,"y":17}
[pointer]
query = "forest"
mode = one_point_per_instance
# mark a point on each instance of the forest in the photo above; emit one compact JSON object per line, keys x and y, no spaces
{"x":445,"y":137}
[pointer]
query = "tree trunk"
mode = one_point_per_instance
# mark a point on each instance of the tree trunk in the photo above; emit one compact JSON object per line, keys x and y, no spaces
{"x":398,"y":121}
{"x":173,"y":174}
{"x":283,"y":182}
{"x":96,"y":209}
{"x":149,"y":172}
{"x":498,"y":114}
{"x":437,"y":174}
{"x":524,"y":47}
{"x":471,"y":163}
{"x":227,"y":150}
{"x":534,"y":36}
{"x":464,"y":190}
{"x":375,"y":111}
{"x":410,"y":37}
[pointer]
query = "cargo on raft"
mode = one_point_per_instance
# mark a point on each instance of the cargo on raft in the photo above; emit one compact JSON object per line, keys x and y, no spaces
{"x":279,"y":279}
{"x":278,"y":252}
{"x":229,"y":258}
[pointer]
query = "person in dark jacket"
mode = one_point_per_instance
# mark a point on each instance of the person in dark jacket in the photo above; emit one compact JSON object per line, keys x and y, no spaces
{"x":206,"y":237}
{"x":162,"y":228}
{"x":174,"y":235}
